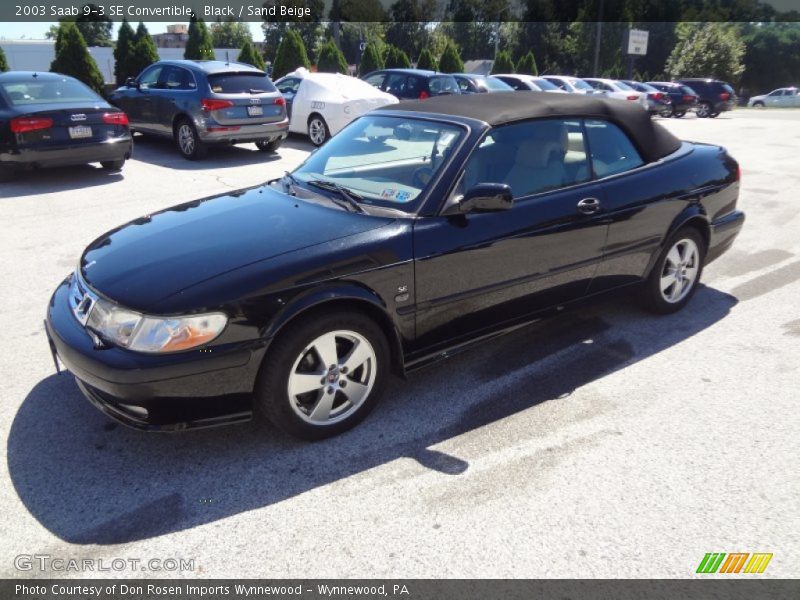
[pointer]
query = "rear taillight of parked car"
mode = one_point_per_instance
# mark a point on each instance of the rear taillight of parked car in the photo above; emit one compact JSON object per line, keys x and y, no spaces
{"x":688,"y":98}
{"x":423,"y":94}
{"x":117,"y":118}
{"x":280,"y":101}
{"x":211,"y":104}
{"x":633,"y":97}
{"x":24,"y":124}
{"x":724,"y":96}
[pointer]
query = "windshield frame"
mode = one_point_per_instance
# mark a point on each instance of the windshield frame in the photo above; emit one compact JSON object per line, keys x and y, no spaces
{"x":414,"y":207}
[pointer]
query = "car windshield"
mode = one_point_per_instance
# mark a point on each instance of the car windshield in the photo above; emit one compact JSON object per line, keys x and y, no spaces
{"x":580,"y":84}
{"x":544,"y":85}
{"x":47,"y":92}
{"x":387,"y":161}
{"x":240,"y":83}
{"x":623,"y":86}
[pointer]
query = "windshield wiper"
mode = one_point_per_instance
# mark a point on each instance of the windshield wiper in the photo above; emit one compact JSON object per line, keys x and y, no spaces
{"x":349,"y":196}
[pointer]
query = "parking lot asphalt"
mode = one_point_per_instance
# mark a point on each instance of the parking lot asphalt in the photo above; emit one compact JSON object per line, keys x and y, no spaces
{"x":605,"y":442}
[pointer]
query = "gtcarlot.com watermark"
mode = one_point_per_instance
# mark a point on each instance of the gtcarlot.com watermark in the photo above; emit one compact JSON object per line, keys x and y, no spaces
{"x":46,"y":563}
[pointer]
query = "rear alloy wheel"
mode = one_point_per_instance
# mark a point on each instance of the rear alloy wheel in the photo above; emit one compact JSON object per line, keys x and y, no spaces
{"x":677,"y":272}
{"x":324,"y":375}
{"x":113,"y":165}
{"x":318,"y":131}
{"x":704,"y":110}
{"x":188,"y":141}
{"x":269,"y":146}
{"x":667,"y":112}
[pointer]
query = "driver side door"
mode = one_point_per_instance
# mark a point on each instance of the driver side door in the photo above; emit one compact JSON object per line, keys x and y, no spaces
{"x":482,"y":271}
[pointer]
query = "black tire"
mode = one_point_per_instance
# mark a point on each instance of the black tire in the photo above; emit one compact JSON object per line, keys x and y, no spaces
{"x":286,"y":357}
{"x":188,"y":142}
{"x":704,"y":109}
{"x":269,"y":146}
{"x":318,"y":131}
{"x":679,"y":114}
{"x":652,"y":297}
{"x":113,"y":165}
{"x":713,"y":115}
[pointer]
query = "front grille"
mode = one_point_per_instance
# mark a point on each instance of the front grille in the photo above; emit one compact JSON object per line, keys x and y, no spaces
{"x":81,"y":299}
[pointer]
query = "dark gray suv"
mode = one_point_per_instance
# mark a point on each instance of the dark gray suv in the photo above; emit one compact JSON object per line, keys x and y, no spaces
{"x":203,"y":102}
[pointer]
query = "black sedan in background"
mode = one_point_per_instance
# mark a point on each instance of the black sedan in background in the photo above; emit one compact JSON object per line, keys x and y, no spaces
{"x":418,"y":229}
{"x":684,"y":98}
{"x":51,"y":120}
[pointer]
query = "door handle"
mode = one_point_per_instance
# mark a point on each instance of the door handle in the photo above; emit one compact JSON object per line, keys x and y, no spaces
{"x":589,"y":206}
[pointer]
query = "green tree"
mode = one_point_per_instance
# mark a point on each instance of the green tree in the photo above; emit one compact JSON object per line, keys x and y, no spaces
{"x":3,"y":62}
{"x":408,"y":29}
{"x":307,"y":27}
{"x":707,"y":50}
{"x":96,"y":30}
{"x":371,"y":60}
{"x":291,"y":54}
{"x":426,"y":60}
{"x":395,"y":58}
{"x":250,"y":56}
{"x":331,"y":59}
{"x":73,"y":58}
{"x":527,"y":65}
{"x":771,"y":57}
{"x":199,"y":46}
{"x":503,"y":63}
{"x":144,"y":52}
{"x":230,"y":34}
{"x":123,"y":51}
{"x":450,"y":61}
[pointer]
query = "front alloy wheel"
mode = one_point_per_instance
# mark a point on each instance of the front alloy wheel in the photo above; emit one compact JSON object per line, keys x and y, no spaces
{"x":324,"y":374}
{"x":332,"y":377}
{"x":704,"y":110}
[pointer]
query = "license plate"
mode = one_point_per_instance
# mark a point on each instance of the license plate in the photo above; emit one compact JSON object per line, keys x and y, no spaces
{"x":80,"y":131}
{"x":255,"y":111}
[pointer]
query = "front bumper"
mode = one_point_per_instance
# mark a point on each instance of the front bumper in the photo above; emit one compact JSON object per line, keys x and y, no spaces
{"x":213,"y":133}
{"x":60,"y":156}
{"x":168,"y":392}
{"x":723,"y":232}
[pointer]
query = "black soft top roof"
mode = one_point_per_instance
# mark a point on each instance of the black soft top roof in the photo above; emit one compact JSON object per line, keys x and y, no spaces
{"x":652,"y":140}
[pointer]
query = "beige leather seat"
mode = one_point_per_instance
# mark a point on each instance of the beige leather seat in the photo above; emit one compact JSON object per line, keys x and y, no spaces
{"x":539,"y":161}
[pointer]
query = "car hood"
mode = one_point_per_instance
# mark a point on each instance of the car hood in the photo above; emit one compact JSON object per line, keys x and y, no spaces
{"x":158,"y":255}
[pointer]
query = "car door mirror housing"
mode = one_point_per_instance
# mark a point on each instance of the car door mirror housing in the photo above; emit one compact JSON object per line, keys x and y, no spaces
{"x":484,"y":197}
{"x":131,"y":82}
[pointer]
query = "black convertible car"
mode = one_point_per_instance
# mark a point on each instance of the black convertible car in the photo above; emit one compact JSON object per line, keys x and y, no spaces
{"x":419,"y":229}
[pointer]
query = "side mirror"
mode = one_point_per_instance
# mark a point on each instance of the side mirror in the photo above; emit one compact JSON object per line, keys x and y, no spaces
{"x":131,"y":82}
{"x":484,"y":197}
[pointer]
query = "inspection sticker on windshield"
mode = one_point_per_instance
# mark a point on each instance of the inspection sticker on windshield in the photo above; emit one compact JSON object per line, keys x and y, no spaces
{"x":395,"y":195}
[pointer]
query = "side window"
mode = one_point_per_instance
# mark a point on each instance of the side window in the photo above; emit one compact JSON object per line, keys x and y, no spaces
{"x":559,"y":83}
{"x":612,"y":151}
{"x":395,"y":84}
{"x":149,"y":78}
{"x":530,"y":157}
{"x":413,"y":86}
{"x":176,"y":78}
{"x":289,"y":85}
{"x":464,"y":85}
{"x":376,"y":80}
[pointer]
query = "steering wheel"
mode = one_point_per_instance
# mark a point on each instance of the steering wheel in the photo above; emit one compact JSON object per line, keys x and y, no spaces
{"x":422,"y":177}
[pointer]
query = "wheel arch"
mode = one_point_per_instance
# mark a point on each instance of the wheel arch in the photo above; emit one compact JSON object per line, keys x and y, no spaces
{"x":692,"y":216}
{"x":177,"y":119}
{"x":343,"y":297}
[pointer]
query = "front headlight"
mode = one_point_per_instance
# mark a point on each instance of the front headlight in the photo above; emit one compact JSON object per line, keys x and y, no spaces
{"x":144,"y":333}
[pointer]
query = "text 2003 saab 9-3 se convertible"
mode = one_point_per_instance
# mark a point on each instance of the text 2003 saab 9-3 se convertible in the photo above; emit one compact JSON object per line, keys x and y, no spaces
{"x":419,"y":228}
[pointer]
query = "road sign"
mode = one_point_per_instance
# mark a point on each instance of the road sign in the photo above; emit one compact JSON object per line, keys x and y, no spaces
{"x":637,"y":41}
